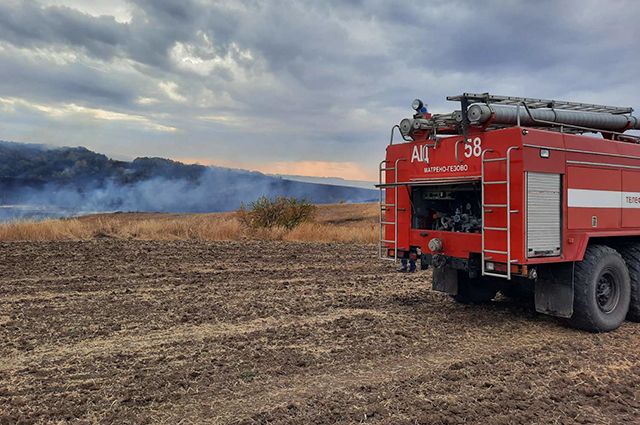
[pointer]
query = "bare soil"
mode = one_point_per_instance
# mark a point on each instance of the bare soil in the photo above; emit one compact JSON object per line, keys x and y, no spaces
{"x":257,"y":332}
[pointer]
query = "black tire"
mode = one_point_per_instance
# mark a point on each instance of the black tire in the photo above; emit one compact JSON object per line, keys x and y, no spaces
{"x":631,"y":255}
{"x":602,"y":290}
{"x":474,"y":291}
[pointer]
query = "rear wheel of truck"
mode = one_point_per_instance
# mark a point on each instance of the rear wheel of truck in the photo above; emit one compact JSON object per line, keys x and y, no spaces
{"x":474,"y":291}
{"x":602,"y":290}
{"x":631,"y":255}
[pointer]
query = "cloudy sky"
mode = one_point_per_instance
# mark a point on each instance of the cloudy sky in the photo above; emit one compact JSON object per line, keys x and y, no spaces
{"x":299,"y":87}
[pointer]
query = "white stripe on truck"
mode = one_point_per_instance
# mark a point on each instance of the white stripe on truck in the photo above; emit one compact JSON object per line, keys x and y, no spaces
{"x":589,"y":198}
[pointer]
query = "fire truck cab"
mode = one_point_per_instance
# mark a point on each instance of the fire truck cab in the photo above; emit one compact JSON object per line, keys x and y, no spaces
{"x":517,"y":194}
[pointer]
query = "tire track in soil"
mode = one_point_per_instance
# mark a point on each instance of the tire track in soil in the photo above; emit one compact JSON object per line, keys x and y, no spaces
{"x":343,"y":378}
{"x":181,"y":334}
{"x":302,"y":392}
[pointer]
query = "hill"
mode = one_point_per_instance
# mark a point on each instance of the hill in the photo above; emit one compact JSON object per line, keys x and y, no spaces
{"x":37,"y":180}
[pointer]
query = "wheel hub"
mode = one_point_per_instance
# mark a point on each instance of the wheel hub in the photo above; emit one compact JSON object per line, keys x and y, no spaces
{"x":607,"y":292}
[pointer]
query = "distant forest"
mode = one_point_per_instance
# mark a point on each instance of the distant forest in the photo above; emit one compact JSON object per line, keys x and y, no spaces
{"x":77,"y":180}
{"x":42,"y":164}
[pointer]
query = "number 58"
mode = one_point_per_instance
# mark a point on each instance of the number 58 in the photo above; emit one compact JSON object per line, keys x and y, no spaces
{"x":473,"y":147}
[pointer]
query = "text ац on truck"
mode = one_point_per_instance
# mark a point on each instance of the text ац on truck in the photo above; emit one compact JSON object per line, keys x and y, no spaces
{"x":520,"y":195}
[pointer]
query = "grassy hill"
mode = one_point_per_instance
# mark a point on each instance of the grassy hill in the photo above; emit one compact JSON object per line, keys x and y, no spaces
{"x":40,"y":180}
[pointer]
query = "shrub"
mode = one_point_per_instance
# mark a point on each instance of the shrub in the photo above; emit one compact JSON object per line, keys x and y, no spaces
{"x":279,"y":212}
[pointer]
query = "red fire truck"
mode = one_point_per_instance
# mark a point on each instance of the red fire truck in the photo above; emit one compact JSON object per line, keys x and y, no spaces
{"x":516,"y":194}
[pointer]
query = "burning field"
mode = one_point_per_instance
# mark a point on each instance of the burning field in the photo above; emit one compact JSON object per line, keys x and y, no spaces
{"x":247,"y":332}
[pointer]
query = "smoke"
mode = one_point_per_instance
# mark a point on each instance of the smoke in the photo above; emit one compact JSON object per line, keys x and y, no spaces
{"x":215,"y":189}
{"x":58,"y":182}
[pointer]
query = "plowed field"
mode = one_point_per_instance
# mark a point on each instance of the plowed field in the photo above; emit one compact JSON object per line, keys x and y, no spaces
{"x":118,"y":331}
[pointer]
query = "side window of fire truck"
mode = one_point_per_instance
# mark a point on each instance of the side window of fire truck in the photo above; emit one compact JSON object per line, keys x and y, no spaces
{"x":473,"y":147}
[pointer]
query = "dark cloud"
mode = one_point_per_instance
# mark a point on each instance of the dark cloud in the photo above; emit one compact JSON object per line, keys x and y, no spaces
{"x":25,"y":23}
{"x":69,"y":84}
{"x":334,"y":75}
{"x":169,"y":11}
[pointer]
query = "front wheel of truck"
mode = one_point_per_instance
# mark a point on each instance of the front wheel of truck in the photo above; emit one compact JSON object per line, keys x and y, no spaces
{"x":602,"y":290}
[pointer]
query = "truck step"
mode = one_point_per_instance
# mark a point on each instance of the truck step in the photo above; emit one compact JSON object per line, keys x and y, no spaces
{"x":505,"y":276}
{"x":494,"y":159}
{"x":493,"y":251}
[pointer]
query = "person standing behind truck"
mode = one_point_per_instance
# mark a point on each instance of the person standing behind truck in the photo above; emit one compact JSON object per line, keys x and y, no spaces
{"x":408,"y":261}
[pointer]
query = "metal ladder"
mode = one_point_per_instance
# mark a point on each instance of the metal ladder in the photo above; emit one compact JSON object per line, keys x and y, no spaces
{"x":507,"y":230}
{"x":540,"y":103}
{"x":384,"y":207}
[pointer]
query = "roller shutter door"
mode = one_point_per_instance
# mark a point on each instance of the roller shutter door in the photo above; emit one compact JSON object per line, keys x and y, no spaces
{"x":544,"y":214}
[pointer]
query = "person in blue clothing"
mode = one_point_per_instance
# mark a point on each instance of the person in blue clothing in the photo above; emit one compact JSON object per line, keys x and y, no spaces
{"x":408,"y":261}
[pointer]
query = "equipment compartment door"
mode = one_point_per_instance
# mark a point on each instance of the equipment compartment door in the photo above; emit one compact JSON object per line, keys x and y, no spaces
{"x":630,"y":198}
{"x":544,"y":214}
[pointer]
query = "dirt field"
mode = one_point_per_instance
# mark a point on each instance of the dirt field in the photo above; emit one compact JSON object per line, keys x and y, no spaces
{"x":261,"y":332}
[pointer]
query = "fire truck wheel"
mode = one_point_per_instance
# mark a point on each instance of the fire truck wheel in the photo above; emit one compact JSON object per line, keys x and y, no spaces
{"x":474,"y":291}
{"x":631,"y":255}
{"x":602,"y":290}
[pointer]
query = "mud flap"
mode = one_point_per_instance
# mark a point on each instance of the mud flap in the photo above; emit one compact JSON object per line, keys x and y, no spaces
{"x":445,"y":280}
{"x":554,"y":290}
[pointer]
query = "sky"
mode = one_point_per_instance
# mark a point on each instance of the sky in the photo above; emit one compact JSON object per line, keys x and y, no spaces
{"x":291,"y":87}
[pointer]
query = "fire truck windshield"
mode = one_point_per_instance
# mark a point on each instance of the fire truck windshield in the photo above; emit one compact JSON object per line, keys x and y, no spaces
{"x":451,"y":207}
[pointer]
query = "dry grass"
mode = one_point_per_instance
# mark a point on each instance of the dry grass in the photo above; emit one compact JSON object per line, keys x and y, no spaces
{"x":333,"y":223}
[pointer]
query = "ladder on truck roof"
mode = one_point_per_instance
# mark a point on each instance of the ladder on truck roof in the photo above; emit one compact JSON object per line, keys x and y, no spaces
{"x":384,"y":185}
{"x":534,"y":103}
{"x":506,"y":183}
